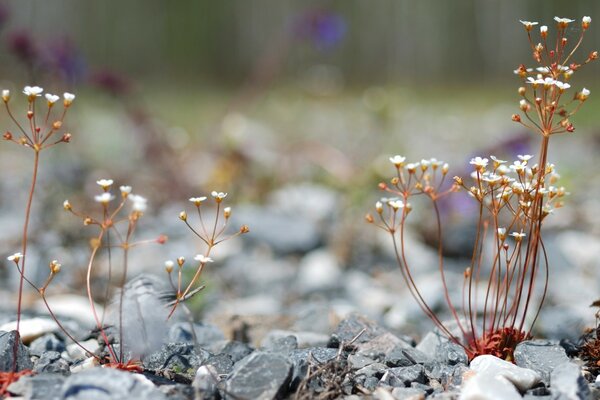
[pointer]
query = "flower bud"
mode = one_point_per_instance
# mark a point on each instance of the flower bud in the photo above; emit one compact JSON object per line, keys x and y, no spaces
{"x":183,"y":216}
{"x":244,"y":229}
{"x":180,"y":261}
{"x":7,"y":136}
{"x":516,"y":118}
{"x":6,"y":95}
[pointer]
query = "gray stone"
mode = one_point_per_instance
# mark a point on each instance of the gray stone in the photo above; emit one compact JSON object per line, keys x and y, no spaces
{"x":567,"y":383}
{"x":52,"y":362}
{"x":38,"y":387}
{"x":260,"y":376}
{"x":48,"y":342}
{"x":541,"y":356}
{"x":283,"y":232}
{"x":179,"y":392}
{"x":381,"y":346}
{"x":438,"y":347}
{"x":522,"y":378}
{"x":205,"y":382}
{"x":404,"y":376}
{"x":404,"y":357}
{"x":222,"y":363}
{"x":300,"y":360}
{"x":182,"y":358}
{"x":8,"y":341}
{"x":376,"y":370}
{"x":303,"y":339}
{"x":236,"y":350}
{"x":280,"y":344}
{"x":489,"y":387}
{"x":318,"y":270}
{"x":205,"y":334}
{"x":108,"y":384}
{"x":351,"y":326}
{"x":358,"y":361}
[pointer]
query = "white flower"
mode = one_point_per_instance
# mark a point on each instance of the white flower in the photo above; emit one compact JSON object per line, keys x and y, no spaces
{"x":218,"y":196}
{"x":15,"y":257}
{"x":197,"y":200}
{"x":585,"y":92}
{"x":69,"y":97}
{"x":104,"y":183}
{"x":528,"y":24}
{"x":518,"y":235}
{"x":501,"y":233}
{"x":140,"y":204}
{"x":586,"y":20}
{"x":33,"y":91}
{"x":412,"y":167}
{"x":6,"y":95}
{"x":519,"y":71}
{"x":497,"y":161}
{"x":549,"y":82}
{"x":563,"y":21}
{"x":125,"y":190}
{"x":525,"y":157}
{"x":66,"y":205}
{"x":518,"y":166}
{"x":543,"y":29}
{"x":479,"y":162}
{"x":543,"y":70}
{"x":491,"y":178}
{"x":203,"y":259}
{"x":561,"y":85}
{"x":534,"y":81}
{"x":52,"y":98}
{"x":397,"y":160}
{"x":104,"y":198}
{"x":379,"y":207}
{"x":396,"y":204}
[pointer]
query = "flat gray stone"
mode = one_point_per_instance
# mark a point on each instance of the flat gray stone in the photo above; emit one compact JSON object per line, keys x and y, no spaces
{"x":567,"y":383}
{"x":182,"y":358}
{"x":541,"y":356}
{"x":260,"y":376}
{"x":38,"y":387}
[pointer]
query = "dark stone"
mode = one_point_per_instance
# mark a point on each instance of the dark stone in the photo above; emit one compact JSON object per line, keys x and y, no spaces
{"x":221,"y":362}
{"x":404,"y":357}
{"x":300,"y":358}
{"x":351,"y":326}
{"x":541,"y":356}
{"x":284,"y":345}
{"x":108,"y":384}
{"x":376,"y":370}
{"x":404,"y":376}
{"x":567,"y":382}
{"x":52,"y":362}
{"x":48,"y":342}
{"x":8,"y":341}
{"x":38,"y":387}
{"x":206,"y":334}
{"x":182,"y":358}
{"x":259,"y":376}
{"x":236,"y":350}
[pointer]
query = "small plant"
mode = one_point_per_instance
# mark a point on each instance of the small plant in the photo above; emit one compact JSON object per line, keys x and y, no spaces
{"x":211,"y":235}
{"x":42,"y":131}
{"x":513,"y":202}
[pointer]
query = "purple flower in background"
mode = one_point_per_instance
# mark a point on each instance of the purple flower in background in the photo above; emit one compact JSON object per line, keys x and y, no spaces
{"x":22,"y":45}
{"x":65,"y":60}
{"x":112,"y":82}
{"x":323,"y":28}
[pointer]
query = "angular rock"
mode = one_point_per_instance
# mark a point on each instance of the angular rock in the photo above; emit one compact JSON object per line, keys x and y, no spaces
{"x":408,"y":393}
{"x":108,"y":384}
{"x":351,"y":326}
{"x":404,"y":376}
{"x":52,"y":362}
{"x":77,"y":353}
{"x":260,"y":376}
{"x":406,"y":356}
{"x":280,"y":344}
{"x":300,"y":359}
{"x":205,"y":382}
{"x":541,"y":356}
{"x":222,"y":363}
{"x":488,"y":387}
{"x":8,"y":341}
{"x":181,"y":358}
{"x":48,"y":342}
{"x":381,"y":346}
{"x":438,"y":347}
{"x":236,"y":350}
{"x":358,"y":361}
{"x":38,"y":387}
{"x":567,"y":382}
{"x":522,"y":378}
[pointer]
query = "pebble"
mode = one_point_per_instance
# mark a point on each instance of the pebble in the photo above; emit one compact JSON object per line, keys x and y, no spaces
{"x":303,"y":339}
{"x":566,"y":379}
{"x":541,"y":356}
{"x":51,"y":362}
{"x":38,"y":387}
{"x":522,"y":378}
{"x":48,"y":342}
{"x":76,"y":352}
{"x":259,"y":376}
{"x":206,"y":381}
{"x":183,"y":358}
{"x":488,"y":387}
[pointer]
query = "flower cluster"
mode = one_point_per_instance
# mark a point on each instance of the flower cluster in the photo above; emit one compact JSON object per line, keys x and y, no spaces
{"x":542,"y":103}
{"x":38,"y":134}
